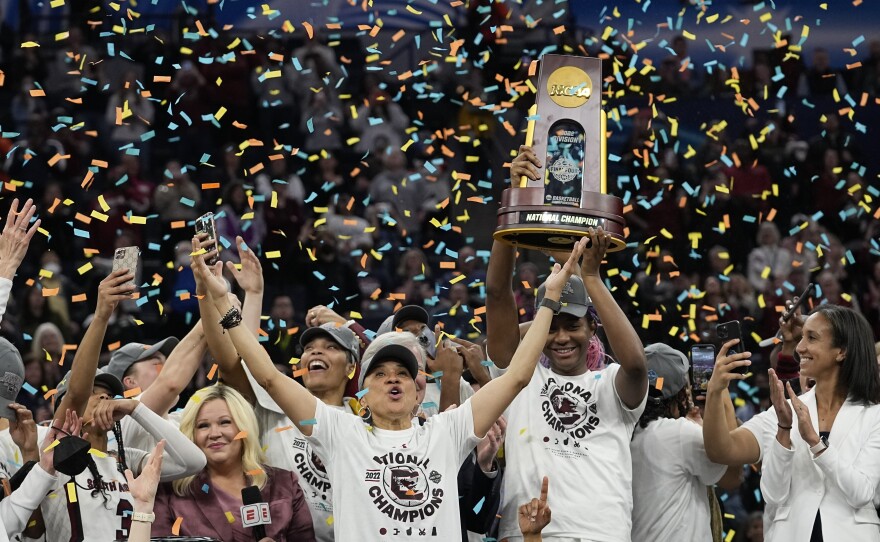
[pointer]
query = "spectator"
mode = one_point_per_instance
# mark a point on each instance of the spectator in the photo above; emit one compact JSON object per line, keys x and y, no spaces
{"x":769,"y":259}
{"x":221,"y":423}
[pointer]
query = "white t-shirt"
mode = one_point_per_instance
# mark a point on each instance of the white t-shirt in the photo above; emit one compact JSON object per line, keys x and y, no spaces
{"x":400,"y":485}
{"x":670,"y":475}
{"x":135,"y":436}
{"x":431,"y":403}
{"x":576,"y":431}
{"x":763,"y":426}
{"x":287,"y":448}
{"x":88,"y":518}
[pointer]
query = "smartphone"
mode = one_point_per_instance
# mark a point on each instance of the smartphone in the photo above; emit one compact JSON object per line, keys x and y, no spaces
{"x":729,"y":331}
{"x":205,"y":224}
{"x":128,"y":258}
{"x":702,"y":364}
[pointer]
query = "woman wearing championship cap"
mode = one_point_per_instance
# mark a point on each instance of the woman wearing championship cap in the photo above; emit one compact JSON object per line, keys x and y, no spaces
{"x":821,"y":471}
{"x":399,"y":478}
{"x":222,"y":424}
{"x":671,"y":471}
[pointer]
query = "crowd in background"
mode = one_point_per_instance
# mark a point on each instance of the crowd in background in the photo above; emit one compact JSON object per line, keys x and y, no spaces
{"x":342,"y":217}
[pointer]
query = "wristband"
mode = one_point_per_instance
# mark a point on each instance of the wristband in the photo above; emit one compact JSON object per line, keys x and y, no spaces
{"x":231,"y":319}
{"x":551,"y":304}
{"x":143,"y":517}
{"x":783,"y":427}
{"x":821,"y":446}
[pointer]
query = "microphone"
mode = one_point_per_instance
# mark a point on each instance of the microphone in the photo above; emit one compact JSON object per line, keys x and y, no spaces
{"x":254,"y":512}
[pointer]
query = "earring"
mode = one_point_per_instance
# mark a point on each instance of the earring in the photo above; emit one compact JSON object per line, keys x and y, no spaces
{"x":365,"y":413}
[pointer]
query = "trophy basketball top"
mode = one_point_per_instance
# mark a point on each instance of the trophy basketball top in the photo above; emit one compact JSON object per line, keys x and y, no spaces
{"x":568,"y":136}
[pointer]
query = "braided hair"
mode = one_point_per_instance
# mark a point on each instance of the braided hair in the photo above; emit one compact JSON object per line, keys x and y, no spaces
{"x":657,"y":408}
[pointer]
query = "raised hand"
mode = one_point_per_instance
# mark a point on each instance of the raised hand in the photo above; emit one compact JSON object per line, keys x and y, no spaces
{"x":320,"y":315}
{"x":143,"y":488}
{"x":107,"y":413}
{"x":113,"y":289}
{"x":488,"y":447}
{"x":777,"y":396}
{"x":71,"y":426}
{"x":23,"y":430}
{"x":559,"y":275}
{"x":725,"y":365}
{"x":793,"y":328}
{"x":199,"y":242}
{"x":250,"y":277}
{"x":595,"y":253}
{"x":535,"y":515}
{"x":215,"y":286}
{"x":805,"y":421}
{"x":16,"y":236}
{"x":447,"y":359}
{"x":526,"y":164}
{"x":473,"y":359}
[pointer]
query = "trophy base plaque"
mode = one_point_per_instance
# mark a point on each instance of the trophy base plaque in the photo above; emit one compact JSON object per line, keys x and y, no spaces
{"x":525,"y":221}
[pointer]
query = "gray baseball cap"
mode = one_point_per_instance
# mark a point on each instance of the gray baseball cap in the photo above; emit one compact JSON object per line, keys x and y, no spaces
{"x":669,"y":364}
{"x":11,"y":377}
{"x":102,"y":378}
{"x":342,"y":336}
{"x":412,"y":312}
{"x":574,"y":298}
{"x":131,"y":353}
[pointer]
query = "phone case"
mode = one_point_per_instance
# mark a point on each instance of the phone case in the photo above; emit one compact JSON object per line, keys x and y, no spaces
{"x":127,"y":258}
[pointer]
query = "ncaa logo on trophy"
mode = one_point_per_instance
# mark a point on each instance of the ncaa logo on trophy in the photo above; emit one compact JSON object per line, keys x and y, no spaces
{"x":569,"y":138}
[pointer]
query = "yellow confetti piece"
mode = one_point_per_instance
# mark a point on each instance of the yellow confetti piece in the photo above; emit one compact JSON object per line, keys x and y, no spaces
{"x":56,"y":3}
{"x":29,"y":44}
{"x":85,"y":268}
{"x":97,"y":453}
{"x":49,"y":447}
{"x":273,"y":254}
{"x":220,"y":112}
{"x":103,"y":203}
{"x":71,"y":492}
{"x":330,"y":520}
{"x":138,"y":219}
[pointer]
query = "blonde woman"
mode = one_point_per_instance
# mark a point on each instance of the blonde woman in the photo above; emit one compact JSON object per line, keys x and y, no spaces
{"x":222,"y":424}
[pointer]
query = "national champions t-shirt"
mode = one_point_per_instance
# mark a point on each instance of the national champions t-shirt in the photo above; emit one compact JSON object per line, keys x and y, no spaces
{"x":396,"y":485}
{"x":576,"y":431}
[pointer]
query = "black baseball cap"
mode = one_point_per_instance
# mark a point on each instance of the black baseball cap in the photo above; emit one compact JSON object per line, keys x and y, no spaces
{"x":409,"y":312}
{"x":392,"y":351}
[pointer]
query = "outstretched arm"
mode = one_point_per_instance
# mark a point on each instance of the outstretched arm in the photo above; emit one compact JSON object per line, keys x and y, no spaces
{"x":726,"y":445}
{"x":111,"y":291}
{"x":491,"y":400}
{"x":293,"y":398}
{"x":250,"y":278}
{"x":176,"y":373}
{"x":502,"y":317}
{"x":632,"y":379}
{"x":219,"y":344}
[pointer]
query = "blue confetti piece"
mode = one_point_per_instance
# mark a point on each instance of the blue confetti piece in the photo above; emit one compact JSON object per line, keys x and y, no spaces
{"x":28,"y":388}
{"x":479,"y":505}
{"x":313,"y":421}
{"x":206,"y":488}
{"x":361,"y":393}
{"x":429,"y":404}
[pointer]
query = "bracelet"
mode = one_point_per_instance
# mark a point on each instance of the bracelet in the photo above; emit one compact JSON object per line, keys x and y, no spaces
{"x":783,"y":427}
{"x":231,"y":319}
{"x":143,"y":517}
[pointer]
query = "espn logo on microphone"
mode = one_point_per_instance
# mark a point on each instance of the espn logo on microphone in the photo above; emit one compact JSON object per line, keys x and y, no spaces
{"x":255,"y":514}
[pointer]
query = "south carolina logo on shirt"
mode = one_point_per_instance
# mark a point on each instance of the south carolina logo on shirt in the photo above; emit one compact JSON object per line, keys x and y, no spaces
{"x":401,"y":489}
{"x":568,"y":408}
{"x":309,"y":466}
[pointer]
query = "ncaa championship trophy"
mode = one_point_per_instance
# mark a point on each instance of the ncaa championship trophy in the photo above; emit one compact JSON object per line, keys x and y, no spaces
{"x":568,"y":138}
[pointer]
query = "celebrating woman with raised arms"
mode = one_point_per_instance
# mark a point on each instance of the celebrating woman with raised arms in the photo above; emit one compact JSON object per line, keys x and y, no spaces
{"x":404,"y":476}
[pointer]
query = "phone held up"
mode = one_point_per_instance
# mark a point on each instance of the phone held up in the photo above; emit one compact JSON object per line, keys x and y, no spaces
{"x":205,"y":224}
{"x":702,"y":364}
{"x":727,"y":332}
{"x":128,"y":258}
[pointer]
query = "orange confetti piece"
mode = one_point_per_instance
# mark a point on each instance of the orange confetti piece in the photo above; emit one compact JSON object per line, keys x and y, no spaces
{"x":128,"y":394}
{"x":114,"y":346}
{"x":309,"y":30}
{"x":162,"y":79}
{"x":49,"y":292}
{"x":175,"y":529}
{"x":78,"y":298}
{"x":241,"y":435}
{"x":300,"y":372}
{"x":254,"y":472}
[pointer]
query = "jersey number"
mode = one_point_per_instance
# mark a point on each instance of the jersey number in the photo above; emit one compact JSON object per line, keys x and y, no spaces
{"x":124,"y":510}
